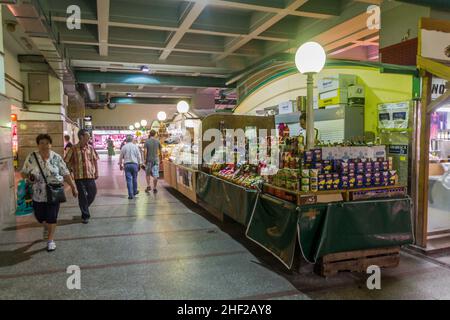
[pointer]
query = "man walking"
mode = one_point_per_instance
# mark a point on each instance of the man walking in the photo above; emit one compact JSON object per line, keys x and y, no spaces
{"x":67,"y":142}
{"x":152,"y":155}
{"x":130,"y":159}
{"x":82,"y":160}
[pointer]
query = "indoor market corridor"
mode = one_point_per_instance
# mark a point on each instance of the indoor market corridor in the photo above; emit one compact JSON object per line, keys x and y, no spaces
{"x":162,"y":247}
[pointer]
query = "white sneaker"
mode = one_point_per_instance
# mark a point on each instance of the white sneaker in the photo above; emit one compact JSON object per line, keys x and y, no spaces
{"x":45,"y":234}
{"x":51,"y":246}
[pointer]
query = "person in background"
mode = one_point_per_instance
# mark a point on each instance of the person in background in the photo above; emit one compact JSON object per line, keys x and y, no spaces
{"x":152,"y":155}
{"x":130,"y":159}
{"x":123,"y":143}
{"x":303,"y":125}
{"x":67,"y":142}
{"x":55,"y":171}
{"x":82,"y":160}
{"x":110,"y":145}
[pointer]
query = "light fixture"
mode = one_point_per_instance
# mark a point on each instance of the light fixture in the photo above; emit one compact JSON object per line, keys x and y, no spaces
{"x":137,"y":125}
{"x":131,"y":128}
{"x":145,"y":69}
{"x":310,"y":59}
{"x":162,"y":116}
{"x":183,"y":107}
{"x":144,"y":123}
{"x":129,"y":95}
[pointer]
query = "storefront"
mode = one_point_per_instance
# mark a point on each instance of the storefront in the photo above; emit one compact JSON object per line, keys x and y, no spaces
{"x":432,"y":172}
{"x":100,"y":138}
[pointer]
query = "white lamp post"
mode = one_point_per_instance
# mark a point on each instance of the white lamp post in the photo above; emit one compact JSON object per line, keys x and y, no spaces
{"x":144,"y":123}
{"x":137,"y":125}
{"x":162,"y":116}
{"x":310,"y":59}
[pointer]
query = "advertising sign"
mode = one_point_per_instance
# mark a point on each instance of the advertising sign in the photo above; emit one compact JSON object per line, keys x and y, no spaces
{"x":393,"y":115}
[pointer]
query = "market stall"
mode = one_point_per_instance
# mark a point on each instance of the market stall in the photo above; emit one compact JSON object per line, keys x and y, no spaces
{"x":180,"y":147}
{"x":345,"y":197}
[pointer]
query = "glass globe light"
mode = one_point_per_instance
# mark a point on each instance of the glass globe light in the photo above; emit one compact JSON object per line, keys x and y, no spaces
{"x":162,"y":116}
{"x":183,"y":107}
{"x":310,"y":58}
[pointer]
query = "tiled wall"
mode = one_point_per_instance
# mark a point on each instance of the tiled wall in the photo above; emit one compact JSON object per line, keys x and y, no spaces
{"x":28,"y":131}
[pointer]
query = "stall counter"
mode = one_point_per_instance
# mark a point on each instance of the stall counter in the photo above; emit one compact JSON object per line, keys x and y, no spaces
{"x":181,"y":178}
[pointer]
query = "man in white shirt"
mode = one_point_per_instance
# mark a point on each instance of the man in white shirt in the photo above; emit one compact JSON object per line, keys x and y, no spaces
{"x":130,"y":159}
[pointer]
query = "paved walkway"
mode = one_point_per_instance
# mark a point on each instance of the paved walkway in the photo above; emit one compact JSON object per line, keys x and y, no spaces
{"x":164,"y":247}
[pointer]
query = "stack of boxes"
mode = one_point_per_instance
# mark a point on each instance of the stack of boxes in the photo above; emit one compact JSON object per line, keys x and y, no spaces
{"x":338,"y":174}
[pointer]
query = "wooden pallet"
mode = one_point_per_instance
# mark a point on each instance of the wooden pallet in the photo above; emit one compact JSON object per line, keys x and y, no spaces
{"x":357,"y":261}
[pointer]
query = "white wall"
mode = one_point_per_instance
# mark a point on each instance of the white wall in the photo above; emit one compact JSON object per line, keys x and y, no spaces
{"x":45,"y":110}
{"x":12,"y":69}
{"x":127,"y":114}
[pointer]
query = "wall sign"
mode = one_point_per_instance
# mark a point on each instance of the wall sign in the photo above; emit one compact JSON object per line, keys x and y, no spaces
{"x":438,"y":87}
{"x":285,"y":107}
{"x":398,"y":149}
{"x":393,"y":115}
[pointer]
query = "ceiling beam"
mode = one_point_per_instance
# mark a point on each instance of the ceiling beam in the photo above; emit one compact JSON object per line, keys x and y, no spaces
{"x":174,"y":29}
{"x":349,"y":38}
{"x":157,"y":48}
{"x":103,"y":26}
{"x":378,"y":2}
{"x":190,"y":18}
{"x":269,"y":9}
{"x":268,"y":22}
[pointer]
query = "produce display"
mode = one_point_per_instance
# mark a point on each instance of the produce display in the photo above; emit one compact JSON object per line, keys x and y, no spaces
{"x":285,"y":178}
{"x":245,"y":175}
{"x":339,"y":174}
{"x":332,"y":167}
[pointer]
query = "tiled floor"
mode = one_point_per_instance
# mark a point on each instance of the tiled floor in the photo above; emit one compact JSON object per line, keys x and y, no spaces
{"x":164,"y":247}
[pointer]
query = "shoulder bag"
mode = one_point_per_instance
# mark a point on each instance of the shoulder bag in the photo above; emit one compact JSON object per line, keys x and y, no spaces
{"x":55,"y":191}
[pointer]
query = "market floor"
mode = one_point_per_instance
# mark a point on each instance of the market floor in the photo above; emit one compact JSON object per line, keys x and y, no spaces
{"x":164,"y":247}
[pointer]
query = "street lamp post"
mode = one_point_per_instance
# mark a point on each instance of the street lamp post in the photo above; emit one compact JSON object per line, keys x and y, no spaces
{"x":310,"y":59}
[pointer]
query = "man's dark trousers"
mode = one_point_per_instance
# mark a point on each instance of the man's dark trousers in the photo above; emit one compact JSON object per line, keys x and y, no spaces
{"x":87,"y":190}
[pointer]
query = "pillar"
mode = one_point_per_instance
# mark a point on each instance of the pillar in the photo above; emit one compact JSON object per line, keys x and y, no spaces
{"x":7,"y":188}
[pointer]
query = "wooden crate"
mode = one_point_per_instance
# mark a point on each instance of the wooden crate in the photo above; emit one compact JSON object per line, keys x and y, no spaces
{"x":357,"y":261}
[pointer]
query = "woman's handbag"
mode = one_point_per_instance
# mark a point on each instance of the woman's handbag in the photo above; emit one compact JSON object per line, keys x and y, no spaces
{"x":55,"y":191}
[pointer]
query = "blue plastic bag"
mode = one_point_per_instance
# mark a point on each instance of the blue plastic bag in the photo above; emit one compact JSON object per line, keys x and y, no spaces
{"x":24,"y":199}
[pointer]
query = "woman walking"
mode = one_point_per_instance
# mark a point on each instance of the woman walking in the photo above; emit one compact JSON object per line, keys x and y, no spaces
{"x":111,"y":151}
{"x":43,"y":168}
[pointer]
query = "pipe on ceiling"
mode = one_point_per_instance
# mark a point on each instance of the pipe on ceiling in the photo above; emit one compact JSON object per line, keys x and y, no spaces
{"x":90,"y":91}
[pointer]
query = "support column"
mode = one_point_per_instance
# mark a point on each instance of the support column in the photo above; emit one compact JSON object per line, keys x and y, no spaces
{"x":41,"y":116}
{"x":7,"y":189}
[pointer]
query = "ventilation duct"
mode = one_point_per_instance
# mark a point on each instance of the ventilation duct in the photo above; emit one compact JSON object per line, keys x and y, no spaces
{"x":30,"y":16}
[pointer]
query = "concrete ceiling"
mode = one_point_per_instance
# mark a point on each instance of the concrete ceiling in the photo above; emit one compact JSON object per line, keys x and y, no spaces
{"x":203,"y":38}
